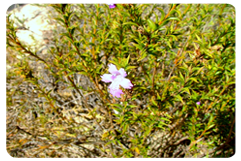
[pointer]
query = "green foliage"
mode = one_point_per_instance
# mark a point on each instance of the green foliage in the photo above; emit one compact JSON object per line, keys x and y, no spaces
{"x":174,"y":55}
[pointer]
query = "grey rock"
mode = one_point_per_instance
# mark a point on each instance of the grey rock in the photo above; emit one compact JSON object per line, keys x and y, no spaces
{"x":34,"y":25}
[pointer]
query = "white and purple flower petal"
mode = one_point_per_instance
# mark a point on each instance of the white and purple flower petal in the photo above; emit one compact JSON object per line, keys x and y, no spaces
{"x":113,"y":70}
{"x":107,"y":78}
{"x":116,"y":92}
{"x":126,"y":83}
{"x":122,"y":72}
{"x":116,"y":82}
{"x":111,"y":5}
{"x":117,"y":79}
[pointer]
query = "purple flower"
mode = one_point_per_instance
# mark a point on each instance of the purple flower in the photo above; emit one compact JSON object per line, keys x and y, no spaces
{"x":198,"y":103}
{"x":112,"y":5}
{"x":117,"y":79}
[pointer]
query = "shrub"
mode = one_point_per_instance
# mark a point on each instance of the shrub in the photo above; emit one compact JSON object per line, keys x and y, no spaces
{"x":180,"y":59}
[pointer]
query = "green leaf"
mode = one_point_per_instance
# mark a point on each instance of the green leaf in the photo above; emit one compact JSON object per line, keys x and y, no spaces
{"x":186,"y":90}
{"x":174,"y":37}
{"x":83,"y":73}
{"x":143,"y":55}
{"x":168,"y":20}
{"x":230,"y":83}
{"x":115,"y":63}
{"x":199,"y":39}
{"x":127,"y":60}
{"x":66,"y":16}
{"x":176,"y":78}
{"x":153,"y":101}
{"x":176,"y":11}
{"x":198,"y":69}
{"x":160,"y":123}
{"x":162,"y":13}
{"x":210,"y":126}
{"x":77,"y":43}
{"x":99,"y":68}
{"x":72,"y":29}
{"x":130,"y":67}
{"x":151,"y":24}
{"x":60,"y":20}
{"x":193,"y":79}
{"x":132,"y":106}
{"x":182,"y":78}
{"x":161,"y":28}
{"x":71,"y":15}
{"x":130,"y":23}
{"x":179,"y":98}
{"x":67,"y":36}
{"x":169,"y":44}
{"x":166,"y":119}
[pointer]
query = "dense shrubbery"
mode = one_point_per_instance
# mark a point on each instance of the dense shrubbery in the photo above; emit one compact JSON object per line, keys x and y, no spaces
{"x":180,"y":59}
